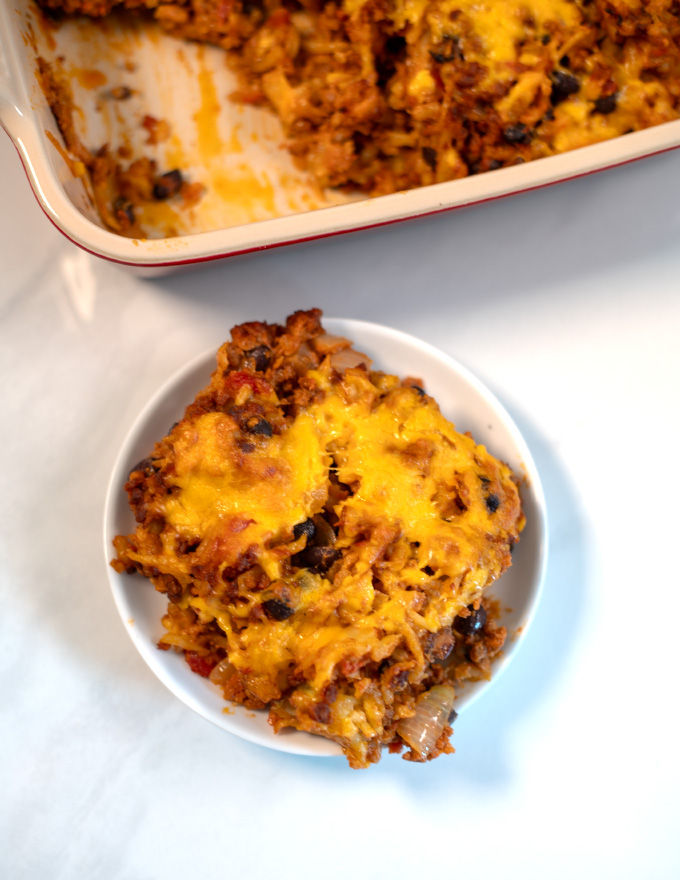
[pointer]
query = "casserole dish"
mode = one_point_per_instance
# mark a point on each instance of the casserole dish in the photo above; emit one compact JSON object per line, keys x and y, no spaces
{"x":255,"y":196}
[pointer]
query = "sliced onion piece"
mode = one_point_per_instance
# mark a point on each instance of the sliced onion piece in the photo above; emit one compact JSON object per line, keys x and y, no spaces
{"x":348,"y":358}
{"x":423,"y":730}
{"x":326,"y":343}
{"x":222,"y":672}
{"x":303,"y":359}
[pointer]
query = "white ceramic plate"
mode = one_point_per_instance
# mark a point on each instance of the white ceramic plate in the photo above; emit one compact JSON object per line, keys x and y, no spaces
{"x":462,"y":398}
{"x":256,"y":198}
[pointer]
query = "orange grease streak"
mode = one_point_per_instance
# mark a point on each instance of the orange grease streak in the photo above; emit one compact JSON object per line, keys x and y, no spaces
{"x":76,"y":168}
{"x":89,"y":79}
{"x":210,"y":144}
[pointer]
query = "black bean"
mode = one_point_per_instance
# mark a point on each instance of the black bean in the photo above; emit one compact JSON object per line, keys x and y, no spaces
{"x":168,"y":185}
{"x":492,"y":502}
{"x":146,"y":465}
{"x":53,"y":14}
{"x":430,"y":157}
{"x":317,"y":559}
{"x":606,"y":105}
{"x":161,"y":192}
{"x":454,"y":52}
{"x":563,"y":85}
{"x":173,"y":588}
{"x":122,"y":206}
{"x":120,"y":93}
{"x":261,"y":427}
{"x":141,"y":465}
{"x":494,"y":164}
{"x":516,"y":134}
{"x":545,"y":39}
{"x":470,"y":626}
{"x":330,"y":692}
{"x":277,"y":610}
{"x":452,"y":716}
{"x":324,"y":535}
{"x":385,"y":67}
{"x":321,"y":713}
{"x":305,"y":528}
{"x":261,"y":355}
{"x":395,"y":45}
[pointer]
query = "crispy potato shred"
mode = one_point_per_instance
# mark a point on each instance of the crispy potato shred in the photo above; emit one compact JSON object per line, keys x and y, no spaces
{"x":324,"y":537}
{"x":385,"y":95}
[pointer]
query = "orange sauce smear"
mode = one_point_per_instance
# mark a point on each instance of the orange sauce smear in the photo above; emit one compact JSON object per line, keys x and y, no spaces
{"x":76,"y":167}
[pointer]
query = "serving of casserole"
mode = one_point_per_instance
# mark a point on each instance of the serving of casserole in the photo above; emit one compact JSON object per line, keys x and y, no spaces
{"x":324,"y":545}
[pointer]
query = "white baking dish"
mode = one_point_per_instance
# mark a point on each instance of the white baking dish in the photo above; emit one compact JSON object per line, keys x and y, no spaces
{"x":255,"y":197}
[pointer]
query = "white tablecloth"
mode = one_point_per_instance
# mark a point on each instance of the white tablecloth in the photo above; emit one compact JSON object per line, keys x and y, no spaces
{"x":566,"y":303}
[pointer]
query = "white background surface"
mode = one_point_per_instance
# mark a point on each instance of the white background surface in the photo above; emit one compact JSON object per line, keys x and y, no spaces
{"x":566,"y":303}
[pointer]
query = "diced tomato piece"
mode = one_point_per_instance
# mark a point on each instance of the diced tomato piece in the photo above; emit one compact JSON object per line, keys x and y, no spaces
{"x":279,"y":18}
{"x":224,"y":10}
{"x":199,"y":665}
{"x":235,"y":381}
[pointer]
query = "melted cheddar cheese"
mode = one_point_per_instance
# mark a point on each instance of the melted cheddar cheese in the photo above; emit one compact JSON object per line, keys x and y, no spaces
{"x":251,"y":498}
{"x":500,"y":28}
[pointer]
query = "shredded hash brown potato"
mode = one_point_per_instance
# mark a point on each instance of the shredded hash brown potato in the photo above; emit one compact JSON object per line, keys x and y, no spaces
{"x":324,"y":537}
{"x":385,"y":95}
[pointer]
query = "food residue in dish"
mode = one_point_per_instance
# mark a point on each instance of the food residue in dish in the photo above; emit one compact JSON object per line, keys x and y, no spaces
{"x":204,"y":134}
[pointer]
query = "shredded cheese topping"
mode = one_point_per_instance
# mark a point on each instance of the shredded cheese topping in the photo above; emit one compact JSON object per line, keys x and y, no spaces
{"x":405,"y":462}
